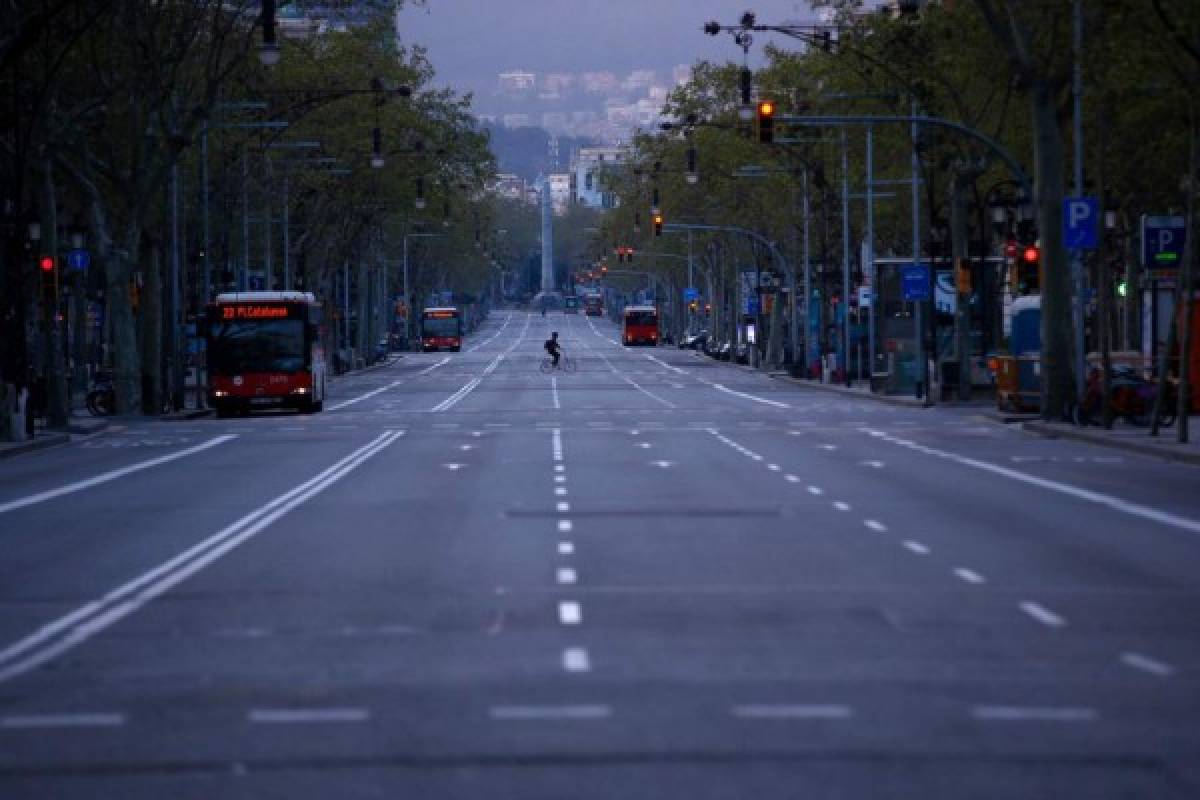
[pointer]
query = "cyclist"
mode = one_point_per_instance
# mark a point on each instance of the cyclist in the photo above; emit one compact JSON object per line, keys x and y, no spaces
{"x":553,"y":347}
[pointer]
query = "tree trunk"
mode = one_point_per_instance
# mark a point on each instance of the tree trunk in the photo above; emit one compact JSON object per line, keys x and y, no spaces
{"x":960,"y":257}
{"x":1058,"y":381}
{"x":56,"y":381}
{"x":1187,"y":279}
{"x":152,"y":329}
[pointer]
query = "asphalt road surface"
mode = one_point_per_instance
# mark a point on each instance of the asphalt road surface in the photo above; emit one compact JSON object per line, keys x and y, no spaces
{"x":656,"y":576}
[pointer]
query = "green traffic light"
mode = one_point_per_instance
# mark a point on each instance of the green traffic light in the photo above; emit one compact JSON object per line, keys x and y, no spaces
{"x":1122,"y":289}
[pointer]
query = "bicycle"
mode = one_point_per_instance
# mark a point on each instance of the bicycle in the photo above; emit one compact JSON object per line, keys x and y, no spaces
{"x":1131,"y":396}
{"x":102,"y":398}
{"x":565,"y":364}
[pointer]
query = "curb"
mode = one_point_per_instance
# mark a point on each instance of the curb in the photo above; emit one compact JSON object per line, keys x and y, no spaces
{"x":887,"y":399}
{"x":38,"y":443}
{"x":93,"y":425}
{"x":1142,"y":448}
{"x":195,"y":413}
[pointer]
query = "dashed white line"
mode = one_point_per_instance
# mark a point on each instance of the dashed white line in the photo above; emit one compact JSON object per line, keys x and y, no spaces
{"x":792,"y":478}
{"x":561,"y":491}
{"x":560,"y":478}
{"x":566,"y":548}
{"x":76,"y":720}
{"x":554,"y":389}
{"x":782,"y":711}
{"x":875,"y":525}
{"x":916,"y":547}
{"x":840,"y":506}
{"x":575,"y":659}
{"x":774,"y":467}
{"x":293,"y":716}
{"x":564,"y":526}
{"x":570,"y":613}
{"x":815,"y":490}
{"x":1043,"y":615}
{"x":1034,"y":714}
{"x":382,"y":389}
{"x":562,"y":508}
{"x":1147,"y":664}
{"x":970,"y":576}
{"x":567,"y":576}
{"x":559,"y":468}
{"x":574,"y":712}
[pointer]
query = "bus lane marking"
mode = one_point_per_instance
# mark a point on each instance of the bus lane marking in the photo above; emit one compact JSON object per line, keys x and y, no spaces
{"x":383,"y":389}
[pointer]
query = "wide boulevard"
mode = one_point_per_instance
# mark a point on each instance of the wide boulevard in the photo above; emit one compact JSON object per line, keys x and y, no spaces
{"x":655,"y":576}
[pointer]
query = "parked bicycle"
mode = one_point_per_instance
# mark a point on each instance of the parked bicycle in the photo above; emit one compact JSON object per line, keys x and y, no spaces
{"x":1131,"y":396}
{"x":565,"y":364}
{"x":102,"y":398}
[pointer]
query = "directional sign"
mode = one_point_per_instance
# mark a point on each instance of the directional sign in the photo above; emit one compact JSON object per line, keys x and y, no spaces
{"x":1081,"y":223}
{"x":1162,"y":242}
{"x":79,"y":259}
{"x":691,"y":293}
{"x":915,"y":281}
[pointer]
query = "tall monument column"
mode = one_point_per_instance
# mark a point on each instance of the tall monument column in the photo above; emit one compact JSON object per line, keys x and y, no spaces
{"x":547,"y":238}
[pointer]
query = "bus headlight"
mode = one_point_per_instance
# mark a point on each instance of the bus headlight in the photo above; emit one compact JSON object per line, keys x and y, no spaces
{"x":220,"y":393}
{"x":300,"y":390}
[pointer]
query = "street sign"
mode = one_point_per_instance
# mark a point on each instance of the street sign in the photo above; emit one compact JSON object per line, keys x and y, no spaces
{"x":915,"y":281}
{"x":1162,"y":242}
{"x":79,"y":259}
{"x":691,"y":293}
{"x":1081,"y":223}
{"x":864,"y":296}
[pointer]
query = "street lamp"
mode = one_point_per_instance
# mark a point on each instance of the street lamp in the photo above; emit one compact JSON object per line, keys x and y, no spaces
{"x":268,"y":51}
{"x":376,"y":148}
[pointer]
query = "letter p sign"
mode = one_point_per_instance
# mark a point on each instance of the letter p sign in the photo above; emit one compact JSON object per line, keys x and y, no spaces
{"x":1081,"y":217}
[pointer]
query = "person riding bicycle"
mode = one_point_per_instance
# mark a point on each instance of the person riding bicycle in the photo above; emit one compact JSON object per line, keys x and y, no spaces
{"x":553,"y":347}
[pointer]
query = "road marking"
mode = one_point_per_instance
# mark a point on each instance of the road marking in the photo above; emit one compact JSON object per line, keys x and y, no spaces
{"x":295,"y":716}
{"x":556,"y":444}
{"x":873,"y":464}
{"x":816,"y":490}
{"x":1147,"y":664}
{"x":840,"y":506}
{"x":566,"y":575}
{"x":554,"y":389}
{"x":829,"y":447}
{"x":560,"y":491}
{"x":493,"y":336}
{"x":916,"y":547}
{"x":792,"y":478}
{"x":747,"y":396}
{"x":562,"y":508}
{"x":970,"y":576}
{"x":662,"y":464}
{"x":875,"y":525}
{"x":560,"y":478}
{"x":566,"y":548}
{"x":112,"y":475}
{"x":577,"y":712}
{"x":76,"y":627}
{"x":1115,"y":503}
{"x":383,"y":389}
{"x":772,"y":711}
{"x":1043,"y":615}
{"x":575,"y":659}
{"x":453,"y":467}
{"x":564,"y":526}
{"x":662,"y":363}
{"x":570,"y":613}
{"x":1034,"y":714}
{"x":643,"y":445}
{"x":559,"y":468}
{"x":453,"y":399}
{"x":774,"y":467}
{"x":40,"y":721}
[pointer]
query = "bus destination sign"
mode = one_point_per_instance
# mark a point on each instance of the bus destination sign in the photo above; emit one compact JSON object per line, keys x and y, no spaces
{"x":256,"y":311}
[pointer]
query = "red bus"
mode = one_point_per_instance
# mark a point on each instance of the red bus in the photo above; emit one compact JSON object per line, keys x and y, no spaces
{"x":593,"y":305}
{"x":441,"y":329}
{"x":641,"y":326}
{"x":264,"y":351}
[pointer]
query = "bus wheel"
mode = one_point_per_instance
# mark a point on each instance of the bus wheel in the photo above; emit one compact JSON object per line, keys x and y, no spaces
{"x":223,"y":411}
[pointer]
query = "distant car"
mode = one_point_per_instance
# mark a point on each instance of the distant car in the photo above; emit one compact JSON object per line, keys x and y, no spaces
{"x":694,"y":341}
{"x":382,"y":349}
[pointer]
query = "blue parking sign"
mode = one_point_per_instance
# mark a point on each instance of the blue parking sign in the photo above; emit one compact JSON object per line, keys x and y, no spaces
{"x":914,"y":279}
{"x":1081,"y":223}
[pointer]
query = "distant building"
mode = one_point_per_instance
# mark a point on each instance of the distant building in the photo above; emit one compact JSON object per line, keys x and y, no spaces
{"x":517,"y":81}
{"x":558,"y":83}
{"x":560,"y":191}
{"x":510,"y":186}
{"x":516,"y":120}
{"x":598,"y":82}
{"x":555,"y":122}
{"x":587,"y":168}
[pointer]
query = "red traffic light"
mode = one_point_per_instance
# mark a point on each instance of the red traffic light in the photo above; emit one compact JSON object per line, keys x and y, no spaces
{"x":46,"y":264}
{"x":1031,"y":254}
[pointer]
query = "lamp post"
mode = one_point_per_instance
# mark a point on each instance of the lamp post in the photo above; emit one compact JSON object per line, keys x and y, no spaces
{"x":409,"y":299}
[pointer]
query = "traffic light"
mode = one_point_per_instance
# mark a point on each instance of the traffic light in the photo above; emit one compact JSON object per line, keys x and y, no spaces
{"x":1029,"y":277}
{"x":603,"y":269}
{"x":46,"y":265}
{"x":49,"y":281}
{"x":1122,"y":288}
{"x":766,"y":121}
{"x":658,"y":223}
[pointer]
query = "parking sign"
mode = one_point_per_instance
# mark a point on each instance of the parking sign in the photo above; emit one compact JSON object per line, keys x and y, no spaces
{"x":1081,"y":223}
{"x":1162,"y":242}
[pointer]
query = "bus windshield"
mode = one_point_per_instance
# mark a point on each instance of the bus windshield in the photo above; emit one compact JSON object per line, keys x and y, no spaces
{"x":270,"y":345}
{"x":641,"y":318}
{"x":440,"y":326}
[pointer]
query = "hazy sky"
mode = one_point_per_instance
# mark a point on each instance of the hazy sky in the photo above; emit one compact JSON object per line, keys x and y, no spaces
{"x":470,"y":41}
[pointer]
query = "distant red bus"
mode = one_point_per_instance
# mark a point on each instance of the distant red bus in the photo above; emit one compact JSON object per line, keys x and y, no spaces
{"x":264,"y":351}
{"x":441,"y":329}
{"x":641,"y":326}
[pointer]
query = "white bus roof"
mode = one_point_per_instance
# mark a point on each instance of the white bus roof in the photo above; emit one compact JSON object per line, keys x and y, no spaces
{"x":266,"y":297}
{"x":641,"y":308}
{"x":440,"y":308}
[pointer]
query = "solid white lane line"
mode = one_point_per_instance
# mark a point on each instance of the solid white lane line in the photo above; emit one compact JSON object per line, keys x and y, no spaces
{"x":575,"y":659}
{"x":554,"y":390}
{"x":1043,"y":615}
{"x":293,"y":716}
{"x":383,"y":389}
{"x":556,"y":445}
{"x":560,"y":491}
{"x":112,"y":475}
{"x":1034,"y":714}
{"x":576,"y":712}
{"x":564,"y":526}
{"x":566,"y":575}
{"x":1109,"y":501}
{"x":566,"y":548}
{"x":86,"y":621}
{"x":41,"y":721}
{"x":1147,"y":664}
{"x":493,"y":336}
{"x":664,"y":364}
{"x":747,"y":396}
{"x":782,"y":711}
{"x":560,"y":478}
{"x":916,"y":547}
{"x":970,"y":576}
{"x":570,"y":613}
{"x":875,"y":525}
